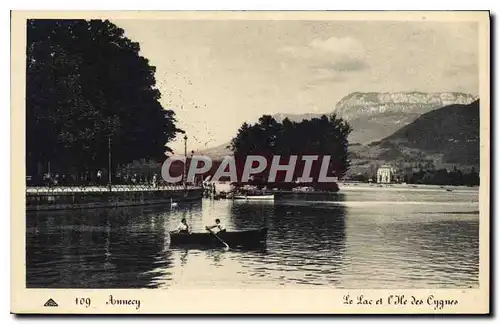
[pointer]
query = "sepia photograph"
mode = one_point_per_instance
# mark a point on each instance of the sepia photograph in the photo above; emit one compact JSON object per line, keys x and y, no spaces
{"x":327,"y":152}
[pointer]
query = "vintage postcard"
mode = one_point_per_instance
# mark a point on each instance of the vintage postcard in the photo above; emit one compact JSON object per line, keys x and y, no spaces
{"x":250,"y":162}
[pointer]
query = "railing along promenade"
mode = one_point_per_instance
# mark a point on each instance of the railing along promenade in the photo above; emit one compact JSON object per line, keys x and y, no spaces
{"x":93,"y":196}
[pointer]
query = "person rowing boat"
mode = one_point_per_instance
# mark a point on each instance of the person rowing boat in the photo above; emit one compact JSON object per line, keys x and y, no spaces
{"x":217,"y":228}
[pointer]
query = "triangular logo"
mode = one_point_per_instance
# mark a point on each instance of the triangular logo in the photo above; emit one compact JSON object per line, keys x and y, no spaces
{"x":50,"y":303}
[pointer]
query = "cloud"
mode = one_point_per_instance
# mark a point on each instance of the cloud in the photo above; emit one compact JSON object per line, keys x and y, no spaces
{"x":331,"y":60}
{"x":343,"y":46}
{"x":344,"y":54}
{"x":346,"y":65}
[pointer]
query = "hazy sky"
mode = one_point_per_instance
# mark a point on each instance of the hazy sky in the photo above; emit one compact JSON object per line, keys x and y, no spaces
{"x":217,"y":74}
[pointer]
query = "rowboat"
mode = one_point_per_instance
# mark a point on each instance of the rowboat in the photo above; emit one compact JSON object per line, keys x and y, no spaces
{"x":255,"y":197}
{"x":243,"y":238}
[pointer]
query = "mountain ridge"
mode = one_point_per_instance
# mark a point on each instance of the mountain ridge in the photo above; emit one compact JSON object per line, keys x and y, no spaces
{"x":376,"y":115}
{"x":384,"y":117}
{"x":370,"y":103}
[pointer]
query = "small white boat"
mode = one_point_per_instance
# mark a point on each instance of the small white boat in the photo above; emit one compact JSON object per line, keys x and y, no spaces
{"x":255,"y":197}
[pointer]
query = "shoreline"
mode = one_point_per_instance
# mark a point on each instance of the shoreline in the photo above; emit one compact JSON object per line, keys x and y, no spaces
{"x":348,"y":186}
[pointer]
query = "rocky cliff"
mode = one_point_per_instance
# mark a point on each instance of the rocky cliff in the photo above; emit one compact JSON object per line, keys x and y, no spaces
{"x":374,"y":116}
{"x":359,"y":104}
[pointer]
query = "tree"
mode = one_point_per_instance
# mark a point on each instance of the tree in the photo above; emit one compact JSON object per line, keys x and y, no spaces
{"x":86,"y":83}
{"x":318,"y":136}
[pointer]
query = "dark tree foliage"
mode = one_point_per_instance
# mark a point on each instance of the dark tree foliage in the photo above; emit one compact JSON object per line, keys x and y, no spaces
{"x":317,"y":136}
{"x":85,"y":83}
{"x":453,"y":177}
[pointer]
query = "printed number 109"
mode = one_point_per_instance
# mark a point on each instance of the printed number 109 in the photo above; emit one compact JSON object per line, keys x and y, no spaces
{"x":83,"y":302}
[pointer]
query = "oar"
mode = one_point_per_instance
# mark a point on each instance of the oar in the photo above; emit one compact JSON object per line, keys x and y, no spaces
{"x":225,"y":244}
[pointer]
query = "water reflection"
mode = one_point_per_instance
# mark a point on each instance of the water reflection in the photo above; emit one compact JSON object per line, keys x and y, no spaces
{"x":98,"y":248}
{"x":343,"y":241}
{"x":313,"y":240}
{"x":184,"y":257}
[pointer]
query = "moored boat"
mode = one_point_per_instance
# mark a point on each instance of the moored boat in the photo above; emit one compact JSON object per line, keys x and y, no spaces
{"x":255,"y":197}
{"x":242,"y":238}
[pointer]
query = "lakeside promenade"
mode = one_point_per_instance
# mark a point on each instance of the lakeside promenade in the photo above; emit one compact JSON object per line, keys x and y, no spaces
{"x":105,"y":188}
{"x":79,"y":197}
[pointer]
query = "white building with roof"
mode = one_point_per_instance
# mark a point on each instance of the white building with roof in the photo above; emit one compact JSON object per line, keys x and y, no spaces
{"x":385,"y":174}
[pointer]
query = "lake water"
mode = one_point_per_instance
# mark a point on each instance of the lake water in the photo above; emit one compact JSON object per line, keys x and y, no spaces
{"x":398,"y":238}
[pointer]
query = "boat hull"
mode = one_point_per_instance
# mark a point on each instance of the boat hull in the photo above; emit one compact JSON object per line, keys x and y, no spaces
{"x":233,"y":239}
{"x":263,"y":197}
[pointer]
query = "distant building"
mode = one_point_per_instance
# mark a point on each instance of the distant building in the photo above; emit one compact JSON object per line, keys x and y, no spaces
{"x":385,"y":174}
